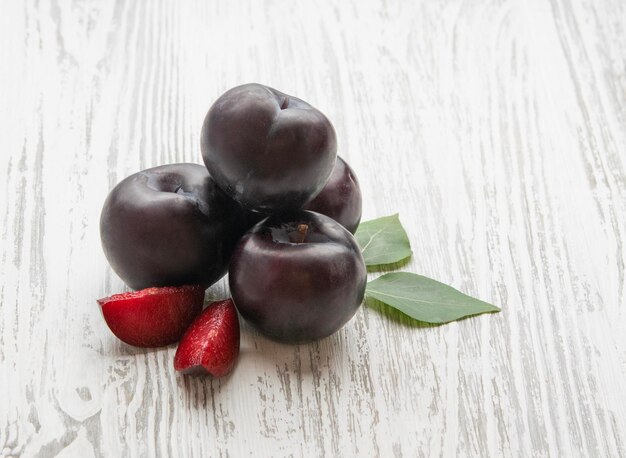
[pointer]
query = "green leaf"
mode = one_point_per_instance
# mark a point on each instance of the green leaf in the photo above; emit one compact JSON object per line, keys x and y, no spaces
{"x":383,"y":241}
{"x":425,"y":299}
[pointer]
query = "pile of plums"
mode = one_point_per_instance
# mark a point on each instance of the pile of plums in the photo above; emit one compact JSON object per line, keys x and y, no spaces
{"x":274,"y":206}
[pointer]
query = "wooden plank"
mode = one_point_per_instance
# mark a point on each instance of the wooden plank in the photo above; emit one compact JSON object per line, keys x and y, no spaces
{"x":496,"y":129}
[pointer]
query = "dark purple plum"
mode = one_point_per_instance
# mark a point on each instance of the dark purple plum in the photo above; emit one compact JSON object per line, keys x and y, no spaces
{"x":267,"y":150}
{"x":297,"y":277}
{"x":169,"y":226}
{"x":341,"y":197}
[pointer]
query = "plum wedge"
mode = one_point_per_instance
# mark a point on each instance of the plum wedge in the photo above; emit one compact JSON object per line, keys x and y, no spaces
{"x":152,"y":317}
{"x":211,"y":344}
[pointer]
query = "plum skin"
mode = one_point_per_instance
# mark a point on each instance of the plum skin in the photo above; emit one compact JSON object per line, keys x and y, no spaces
{"x":169,"y":226}
{"x":267,"y":150}
{"x":341,"y":198}
{"x":292,"y":291}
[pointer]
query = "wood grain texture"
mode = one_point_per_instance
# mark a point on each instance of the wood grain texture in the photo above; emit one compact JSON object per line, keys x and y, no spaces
{"x":497,"y":129}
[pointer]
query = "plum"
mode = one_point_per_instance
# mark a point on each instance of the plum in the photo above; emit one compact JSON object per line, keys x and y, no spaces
{"x":298,"y":276}
{"x":340,"y":198}
{"x":267,"y":150}
{"x":169,"y":226}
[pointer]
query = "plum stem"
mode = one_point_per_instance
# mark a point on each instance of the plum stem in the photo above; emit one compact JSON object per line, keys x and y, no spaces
{"x":302,"y":230}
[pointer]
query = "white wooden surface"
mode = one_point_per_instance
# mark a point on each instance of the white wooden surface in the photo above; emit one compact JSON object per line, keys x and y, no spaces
{"x":496,"y":128}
